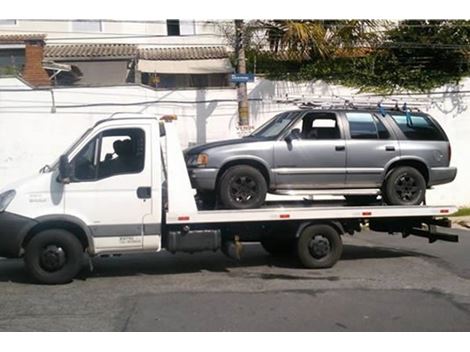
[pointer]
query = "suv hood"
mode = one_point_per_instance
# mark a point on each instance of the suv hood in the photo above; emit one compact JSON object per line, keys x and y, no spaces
{"x":203,"y":147}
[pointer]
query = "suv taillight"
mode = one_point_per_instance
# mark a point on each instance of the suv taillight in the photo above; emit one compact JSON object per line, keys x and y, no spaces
{"x":449,"y":149}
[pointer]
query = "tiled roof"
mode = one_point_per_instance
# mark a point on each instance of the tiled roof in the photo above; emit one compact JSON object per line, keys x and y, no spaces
{"x":183,"y":53}
{"x":90,"y":51}
{"x":20,"y":38}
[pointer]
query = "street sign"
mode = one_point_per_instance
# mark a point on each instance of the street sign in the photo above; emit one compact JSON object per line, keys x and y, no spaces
{"x":242,"y":77}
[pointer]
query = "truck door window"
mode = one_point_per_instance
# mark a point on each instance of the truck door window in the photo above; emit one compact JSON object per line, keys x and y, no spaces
{"x":113,"y":152}
{"x":84,"y":163}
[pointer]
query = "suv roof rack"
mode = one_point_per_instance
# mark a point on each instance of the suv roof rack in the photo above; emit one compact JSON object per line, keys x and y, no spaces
{"x":348,"y":105}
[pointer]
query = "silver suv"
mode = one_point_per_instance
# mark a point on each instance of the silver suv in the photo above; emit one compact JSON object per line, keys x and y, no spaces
{"x":357,"y":153}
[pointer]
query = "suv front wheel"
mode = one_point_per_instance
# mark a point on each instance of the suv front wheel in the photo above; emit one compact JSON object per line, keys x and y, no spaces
{"x":405,"y":186}
{"x":242,"y":187}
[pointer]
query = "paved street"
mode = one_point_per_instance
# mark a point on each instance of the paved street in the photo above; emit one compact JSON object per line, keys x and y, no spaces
{"x":382,"y":283}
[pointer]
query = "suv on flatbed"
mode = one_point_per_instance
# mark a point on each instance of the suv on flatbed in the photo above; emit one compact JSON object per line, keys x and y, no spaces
{"x":357,"y":153}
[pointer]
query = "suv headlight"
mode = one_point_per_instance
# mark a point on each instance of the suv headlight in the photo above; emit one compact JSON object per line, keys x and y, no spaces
{"x":197,"y":160}
{"x":5,"y":199}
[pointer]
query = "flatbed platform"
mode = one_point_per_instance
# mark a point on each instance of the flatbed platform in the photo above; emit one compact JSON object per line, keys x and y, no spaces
{"x":278,"y":211}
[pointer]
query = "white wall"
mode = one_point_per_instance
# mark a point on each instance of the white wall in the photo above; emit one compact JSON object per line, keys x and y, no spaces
{"x":31,"y":135}
{"x":131,"y":32}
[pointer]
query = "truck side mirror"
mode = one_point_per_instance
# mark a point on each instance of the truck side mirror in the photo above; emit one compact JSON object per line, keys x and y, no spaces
{"x":64,"y":169}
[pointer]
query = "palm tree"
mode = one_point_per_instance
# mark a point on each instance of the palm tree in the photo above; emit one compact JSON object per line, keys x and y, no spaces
{"x":321,"y":38}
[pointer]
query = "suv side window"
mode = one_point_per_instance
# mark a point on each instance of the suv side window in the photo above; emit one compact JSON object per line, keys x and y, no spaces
{"x":113,"y":152}
{"x":366,"y":126}
{"x":419,"y":128}
{"x":315,"y":126}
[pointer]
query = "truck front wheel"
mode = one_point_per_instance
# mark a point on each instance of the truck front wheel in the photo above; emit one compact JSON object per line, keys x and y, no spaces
{"x":54,"y":256}
{"x":319,"y":246}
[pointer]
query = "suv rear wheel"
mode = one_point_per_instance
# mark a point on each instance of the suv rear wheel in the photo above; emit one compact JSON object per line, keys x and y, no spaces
{"x":405,"y":186}
{"x":242,"y":187}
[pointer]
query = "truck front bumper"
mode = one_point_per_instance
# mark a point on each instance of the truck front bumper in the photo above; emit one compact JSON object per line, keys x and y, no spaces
{"x":203,"y":178}
{"x":441,"y":175}
{"x":13,"y":229}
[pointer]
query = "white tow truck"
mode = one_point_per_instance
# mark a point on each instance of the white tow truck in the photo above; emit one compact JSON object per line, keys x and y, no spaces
{"x":123,"y":187}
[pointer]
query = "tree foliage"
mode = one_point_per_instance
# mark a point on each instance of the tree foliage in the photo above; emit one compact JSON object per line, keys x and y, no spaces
{"x":416,"y":55}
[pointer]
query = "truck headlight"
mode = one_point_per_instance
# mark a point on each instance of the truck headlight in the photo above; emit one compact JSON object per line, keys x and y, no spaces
{"x":5,"y":199}
{"x":197,"y":160}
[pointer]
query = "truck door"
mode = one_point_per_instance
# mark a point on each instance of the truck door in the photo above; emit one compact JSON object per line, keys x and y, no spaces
{"x":111,"y":186}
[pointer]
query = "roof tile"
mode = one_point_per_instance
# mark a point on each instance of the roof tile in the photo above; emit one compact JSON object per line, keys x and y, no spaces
{"x":20,"y":38}
{"x":90,"y":51}
{"x":183,"y":53}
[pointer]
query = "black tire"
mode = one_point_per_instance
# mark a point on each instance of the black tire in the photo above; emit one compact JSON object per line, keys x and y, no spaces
{"x":405,"y":186}
{"x":54,"y":256}
{"x":242,"y":187}
{"x":360,"y":200}
{"x":319,"y":246}
{"x":278,"y":247}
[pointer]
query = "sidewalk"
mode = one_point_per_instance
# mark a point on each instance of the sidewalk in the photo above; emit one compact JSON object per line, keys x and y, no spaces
{"x":462,"y":222}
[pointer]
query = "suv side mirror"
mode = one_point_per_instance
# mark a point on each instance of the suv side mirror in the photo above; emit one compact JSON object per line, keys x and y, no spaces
{"x":294,"y":134}
{"x":64,"y":169}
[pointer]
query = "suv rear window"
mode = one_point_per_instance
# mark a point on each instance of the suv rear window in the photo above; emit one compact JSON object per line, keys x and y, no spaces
{"x":419,"y":128}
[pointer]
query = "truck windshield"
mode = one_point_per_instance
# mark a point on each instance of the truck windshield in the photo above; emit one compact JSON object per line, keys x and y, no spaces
{"x":275,"y":126}
{"x":72,"y":147}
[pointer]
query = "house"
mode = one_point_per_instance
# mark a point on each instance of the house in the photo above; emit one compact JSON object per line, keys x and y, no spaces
{"x":162,"y":54}
{"x":91,"y":64}
{"x":186,"y":67}
{"x":23,"y":53}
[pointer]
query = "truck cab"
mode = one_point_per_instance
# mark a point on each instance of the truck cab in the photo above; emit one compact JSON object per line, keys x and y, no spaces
{"x":107,"y":185}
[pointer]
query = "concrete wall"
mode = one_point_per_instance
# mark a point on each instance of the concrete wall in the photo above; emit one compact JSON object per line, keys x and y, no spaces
{"x":32,"y":135}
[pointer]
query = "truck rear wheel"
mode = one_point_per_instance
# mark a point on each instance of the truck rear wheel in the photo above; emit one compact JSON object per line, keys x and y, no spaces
{"x":54,"y":256}
{"x":319,"y":246}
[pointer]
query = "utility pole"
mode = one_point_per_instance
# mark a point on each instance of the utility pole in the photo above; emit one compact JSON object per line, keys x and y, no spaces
{"x":243,"y":108}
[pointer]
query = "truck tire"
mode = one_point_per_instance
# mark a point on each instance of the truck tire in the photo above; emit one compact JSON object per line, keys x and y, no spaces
{"x":405,"y":186}
{"x":242,"y":187}
{"x":278,"y":247}
{"x":54,"y":256}
{"x":319,"y":246}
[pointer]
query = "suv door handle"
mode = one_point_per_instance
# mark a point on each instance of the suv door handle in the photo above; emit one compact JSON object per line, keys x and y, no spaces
{"x":144,"y":192}
{"x":340,"y":147}
{"x":390,"y":148}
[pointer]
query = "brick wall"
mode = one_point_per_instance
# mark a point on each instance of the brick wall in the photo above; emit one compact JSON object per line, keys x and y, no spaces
{"x":33,"y":71}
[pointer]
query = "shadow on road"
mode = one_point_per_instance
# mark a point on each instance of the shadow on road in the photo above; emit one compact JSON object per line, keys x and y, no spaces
{"x":166,"y":264}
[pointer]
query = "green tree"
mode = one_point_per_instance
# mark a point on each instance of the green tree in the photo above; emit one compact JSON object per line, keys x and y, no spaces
{"x":416,"y":55}
{"x":320,"y":38}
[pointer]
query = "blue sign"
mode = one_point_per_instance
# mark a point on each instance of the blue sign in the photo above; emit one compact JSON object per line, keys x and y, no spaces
{"x":242,"y":77}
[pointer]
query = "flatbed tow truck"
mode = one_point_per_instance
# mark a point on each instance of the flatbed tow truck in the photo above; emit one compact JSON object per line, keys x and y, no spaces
{"x":55,"y":219}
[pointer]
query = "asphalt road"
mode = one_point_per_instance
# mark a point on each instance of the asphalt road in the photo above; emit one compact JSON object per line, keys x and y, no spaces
{"x":382,"y":283}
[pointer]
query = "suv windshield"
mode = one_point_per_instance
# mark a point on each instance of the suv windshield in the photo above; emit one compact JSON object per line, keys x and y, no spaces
{"x":275,"y":126}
